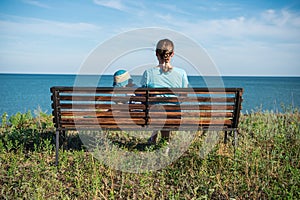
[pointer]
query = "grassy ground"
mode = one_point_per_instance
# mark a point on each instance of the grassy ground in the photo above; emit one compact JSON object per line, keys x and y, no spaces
{"x":265,"y":165}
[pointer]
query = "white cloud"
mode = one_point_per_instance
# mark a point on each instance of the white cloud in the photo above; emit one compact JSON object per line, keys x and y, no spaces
{"x":173,"y":8}
{"x":114,"y":4}
{"x":137,"y":9}
{"x":36,"y":3}
{"x":34,"y":26}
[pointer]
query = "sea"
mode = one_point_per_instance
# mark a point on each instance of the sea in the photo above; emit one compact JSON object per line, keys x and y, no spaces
{"x":31,"y":92}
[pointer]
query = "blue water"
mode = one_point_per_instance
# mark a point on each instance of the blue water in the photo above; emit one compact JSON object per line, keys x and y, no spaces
{"x":20,"y":92}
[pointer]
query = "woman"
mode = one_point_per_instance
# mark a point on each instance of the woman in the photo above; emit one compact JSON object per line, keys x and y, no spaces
{"x":164,"y":75}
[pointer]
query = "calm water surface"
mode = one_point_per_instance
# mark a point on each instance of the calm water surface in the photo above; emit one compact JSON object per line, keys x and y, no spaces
{"x":20,"y":92}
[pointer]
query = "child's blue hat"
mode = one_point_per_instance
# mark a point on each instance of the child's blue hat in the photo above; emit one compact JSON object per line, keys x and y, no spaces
{"x":121,"y":78}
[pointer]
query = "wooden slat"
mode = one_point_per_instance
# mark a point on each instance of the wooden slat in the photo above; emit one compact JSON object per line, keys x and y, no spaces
{"x":193,"y":122}
{"x":184,"y":92}
{"x":192,"y":114}
{"x":144,"y":128}
{"x":208,"y":99}
{"x":102,"y":106}
{"x":100,"y":121}
{"x":190,"y":107}
{"x":102,"y":114}
{"x":102,"y":98}
{"x":104,"y":127}
{"x":151,"y":99}
{"x":164,"y":99}
{"x":142,"y":90}
{"x":192,"y":99}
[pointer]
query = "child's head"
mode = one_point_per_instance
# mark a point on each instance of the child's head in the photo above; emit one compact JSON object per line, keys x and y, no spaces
{"x":121,"y":78}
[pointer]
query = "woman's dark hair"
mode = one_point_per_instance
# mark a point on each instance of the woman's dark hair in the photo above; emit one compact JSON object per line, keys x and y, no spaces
{"x":165,"y":48}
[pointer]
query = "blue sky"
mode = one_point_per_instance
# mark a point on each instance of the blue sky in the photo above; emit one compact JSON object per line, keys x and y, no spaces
{"x":258,"y":37}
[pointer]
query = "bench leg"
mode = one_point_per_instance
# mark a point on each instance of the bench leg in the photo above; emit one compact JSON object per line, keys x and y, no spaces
{"x":64,"y":142}
{"x":56,"y":147}
{"x":235,"y":138}
{"x":225,"y":137}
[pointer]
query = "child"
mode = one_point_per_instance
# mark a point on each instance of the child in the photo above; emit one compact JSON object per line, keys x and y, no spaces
{"x":121,"y":78}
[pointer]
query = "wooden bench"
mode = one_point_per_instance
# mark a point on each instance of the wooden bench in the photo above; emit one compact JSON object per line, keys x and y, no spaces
{"x":107,"y":108}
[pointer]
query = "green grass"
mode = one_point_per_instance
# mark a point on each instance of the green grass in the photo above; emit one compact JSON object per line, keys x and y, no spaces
{"x":265,"y":165}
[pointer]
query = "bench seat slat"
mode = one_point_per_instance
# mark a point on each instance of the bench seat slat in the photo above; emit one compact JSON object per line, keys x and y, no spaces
{"x":102,"y":121}
{"x":177,"y":91}
{"x":192,"y":99}
{"x":102,"y":114}
{"x":140,"y":121}
{"x":102,"y":98}
{"x":142,"y":114}
{"x":142,"y":107}
{"x":192,"y":114}
{"x":82,"y":106}
{"x":145,"y":128}
{"x":190,"y":121}
{"x":190,"y":107}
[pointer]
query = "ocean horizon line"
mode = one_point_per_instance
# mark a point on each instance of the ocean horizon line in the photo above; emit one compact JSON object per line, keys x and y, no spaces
{"x":192,"y":75}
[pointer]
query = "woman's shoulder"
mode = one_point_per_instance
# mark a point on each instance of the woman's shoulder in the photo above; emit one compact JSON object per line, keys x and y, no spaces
{"x":154,"y":68}
{"x":180,"y":70}
{"x":151,"y":70}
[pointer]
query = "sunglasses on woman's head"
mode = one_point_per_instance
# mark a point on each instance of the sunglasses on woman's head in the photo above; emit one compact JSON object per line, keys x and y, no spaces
{"x":164,"y":53}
